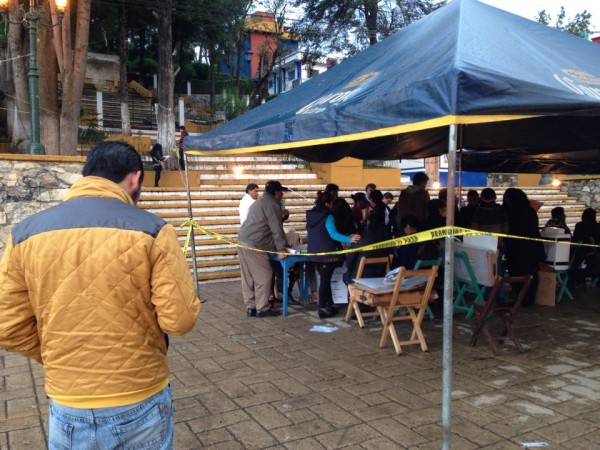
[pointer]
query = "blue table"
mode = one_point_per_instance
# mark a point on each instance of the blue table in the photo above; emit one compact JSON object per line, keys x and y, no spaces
{"x":287,"y":263}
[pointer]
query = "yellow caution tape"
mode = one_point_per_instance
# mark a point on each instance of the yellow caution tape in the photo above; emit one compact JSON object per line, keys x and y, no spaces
{"x":416,"y":238}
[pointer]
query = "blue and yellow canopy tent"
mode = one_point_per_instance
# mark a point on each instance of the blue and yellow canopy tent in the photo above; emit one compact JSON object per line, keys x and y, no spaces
{"x":512,"y":94}
{"x":515,"y":87}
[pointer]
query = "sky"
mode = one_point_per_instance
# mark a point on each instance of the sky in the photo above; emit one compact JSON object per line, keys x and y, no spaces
{"x":530,"y":8}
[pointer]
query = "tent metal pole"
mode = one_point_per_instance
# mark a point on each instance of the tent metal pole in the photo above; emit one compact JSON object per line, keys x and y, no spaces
{"x":448,"y":297}
{"x":460,"y":174}
{"x":191,"y":217}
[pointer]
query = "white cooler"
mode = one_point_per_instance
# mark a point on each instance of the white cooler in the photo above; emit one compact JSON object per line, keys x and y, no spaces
{"x":557,"y":252}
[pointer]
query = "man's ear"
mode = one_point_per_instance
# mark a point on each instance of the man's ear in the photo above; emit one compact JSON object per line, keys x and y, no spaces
{"x":131,"y":182}
{"x":137,"y":177}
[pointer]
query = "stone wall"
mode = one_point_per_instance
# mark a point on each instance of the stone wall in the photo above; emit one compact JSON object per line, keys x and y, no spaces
{"x":584,"y":190}
{"x":502,"y":179}
{"x":29,"y":184}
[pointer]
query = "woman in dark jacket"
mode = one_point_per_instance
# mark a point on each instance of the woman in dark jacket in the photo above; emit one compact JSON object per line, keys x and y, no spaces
{"x":341,"y":210}
{"x":323,"y":237}
{"x":523,"y":256}
{"x":375,"y":231}
{"x":157,"y":157}
{"x":586,"y":232}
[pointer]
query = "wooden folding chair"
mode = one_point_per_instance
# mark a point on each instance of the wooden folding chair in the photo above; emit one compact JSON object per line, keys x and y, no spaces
{"x":355,"y":298}
{"x":422,"y":263}
{"x":415,"y":302}
{"x":470,"y":286}
{"x":506,"y":310}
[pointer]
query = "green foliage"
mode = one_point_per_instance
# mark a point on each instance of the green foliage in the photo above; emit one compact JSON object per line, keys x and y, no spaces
{"x":579,"y":25}
{"x":349,"y":26}
{"x":150,"y":65}
{"x":231,"y":103}
{"x":89,"y":132}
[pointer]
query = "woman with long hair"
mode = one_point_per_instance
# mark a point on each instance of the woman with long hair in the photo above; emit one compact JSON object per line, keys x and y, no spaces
{"x":523,"y":256}
{"x":156,"y":154}
{"x":323,"y":237}
{"x":586,"y":232}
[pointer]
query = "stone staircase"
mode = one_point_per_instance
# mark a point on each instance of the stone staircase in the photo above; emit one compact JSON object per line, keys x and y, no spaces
{"x":215,"y":204}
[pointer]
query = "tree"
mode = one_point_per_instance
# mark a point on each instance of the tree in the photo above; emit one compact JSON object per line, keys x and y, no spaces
{"x":123,"y":85}
{"x":165,"y":117}
{"x":349,"y":26}
{"x":579,"y":25}
{"x":71,"y":63}
{"x":17,"y":49}
{"x":61,"y":126}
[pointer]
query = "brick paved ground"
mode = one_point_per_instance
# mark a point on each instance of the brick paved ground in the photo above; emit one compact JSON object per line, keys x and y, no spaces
{"x":269,"y":383}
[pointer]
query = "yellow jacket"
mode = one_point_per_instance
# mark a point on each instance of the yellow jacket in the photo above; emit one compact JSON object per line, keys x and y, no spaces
{"x":88,"y":288}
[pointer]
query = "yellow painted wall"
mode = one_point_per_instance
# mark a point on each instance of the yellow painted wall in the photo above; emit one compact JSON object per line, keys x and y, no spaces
{"x":528,"y":179}
{"x":382,"y":177}
{"x":349,"y":172}
{"x":172,"y":178}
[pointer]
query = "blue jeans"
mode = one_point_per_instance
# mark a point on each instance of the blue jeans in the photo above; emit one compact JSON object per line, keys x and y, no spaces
{"x":144,"y":425}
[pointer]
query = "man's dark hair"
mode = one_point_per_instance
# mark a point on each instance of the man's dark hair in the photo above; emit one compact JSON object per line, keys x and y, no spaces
{"x":488,"y":195}
{"x":388,"y":195}
{"x":113,"y":161}
{"x":331,"y":187}
{"x":251,"y":187}
{"x":376,"y":196}
{"x":324,"y":197}
{"x":558,"y":212}
{"x":472,"y":194}
{"x":419,"y":178}
{"x":434,"y":206}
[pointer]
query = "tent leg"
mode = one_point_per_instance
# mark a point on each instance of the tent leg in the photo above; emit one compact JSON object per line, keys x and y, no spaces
{"x":191,"y":217}
{"x":448,"y":294}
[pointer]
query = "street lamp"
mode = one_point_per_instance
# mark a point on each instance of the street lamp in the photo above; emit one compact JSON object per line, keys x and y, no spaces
{"x":32,"y":19}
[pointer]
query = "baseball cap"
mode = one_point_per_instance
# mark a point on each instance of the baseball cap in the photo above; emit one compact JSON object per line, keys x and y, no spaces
{"x":273,"y":186}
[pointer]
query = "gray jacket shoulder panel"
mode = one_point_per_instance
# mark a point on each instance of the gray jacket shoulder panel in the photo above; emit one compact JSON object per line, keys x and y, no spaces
{"x":89,"y":212}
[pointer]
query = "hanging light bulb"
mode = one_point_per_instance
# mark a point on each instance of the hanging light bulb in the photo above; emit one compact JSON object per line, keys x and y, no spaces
{"x":436,"y":185}
{"x":555,"y":182}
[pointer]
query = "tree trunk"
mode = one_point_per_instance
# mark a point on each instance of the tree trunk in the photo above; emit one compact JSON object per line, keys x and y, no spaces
{"x":212,"y":61}
{"x":48,"y":90}
{"x":7,"y":87}
{"x":371,"y":11}
{"x":123,"y":85}
{"x":142,"y":50}
{"x":18,"y":51}
{"x":73,"y":77}
{"x":165,"y":118}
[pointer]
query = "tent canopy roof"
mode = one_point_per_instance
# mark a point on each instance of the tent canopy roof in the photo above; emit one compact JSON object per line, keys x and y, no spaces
{"x":514,"y":85}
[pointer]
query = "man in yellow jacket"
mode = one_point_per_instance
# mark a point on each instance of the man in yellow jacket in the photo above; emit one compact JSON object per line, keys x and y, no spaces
{"x":90,"y":289}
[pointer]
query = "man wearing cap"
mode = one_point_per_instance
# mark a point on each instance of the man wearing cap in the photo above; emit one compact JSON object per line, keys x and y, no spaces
{"x":262,"y":230}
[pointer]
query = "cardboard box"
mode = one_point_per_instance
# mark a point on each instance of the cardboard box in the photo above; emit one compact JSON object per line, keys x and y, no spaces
{"x":483,"y":262}
{"x":546,"y":291}
{"x":339,"y":290}
{"x":558,"y":251}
